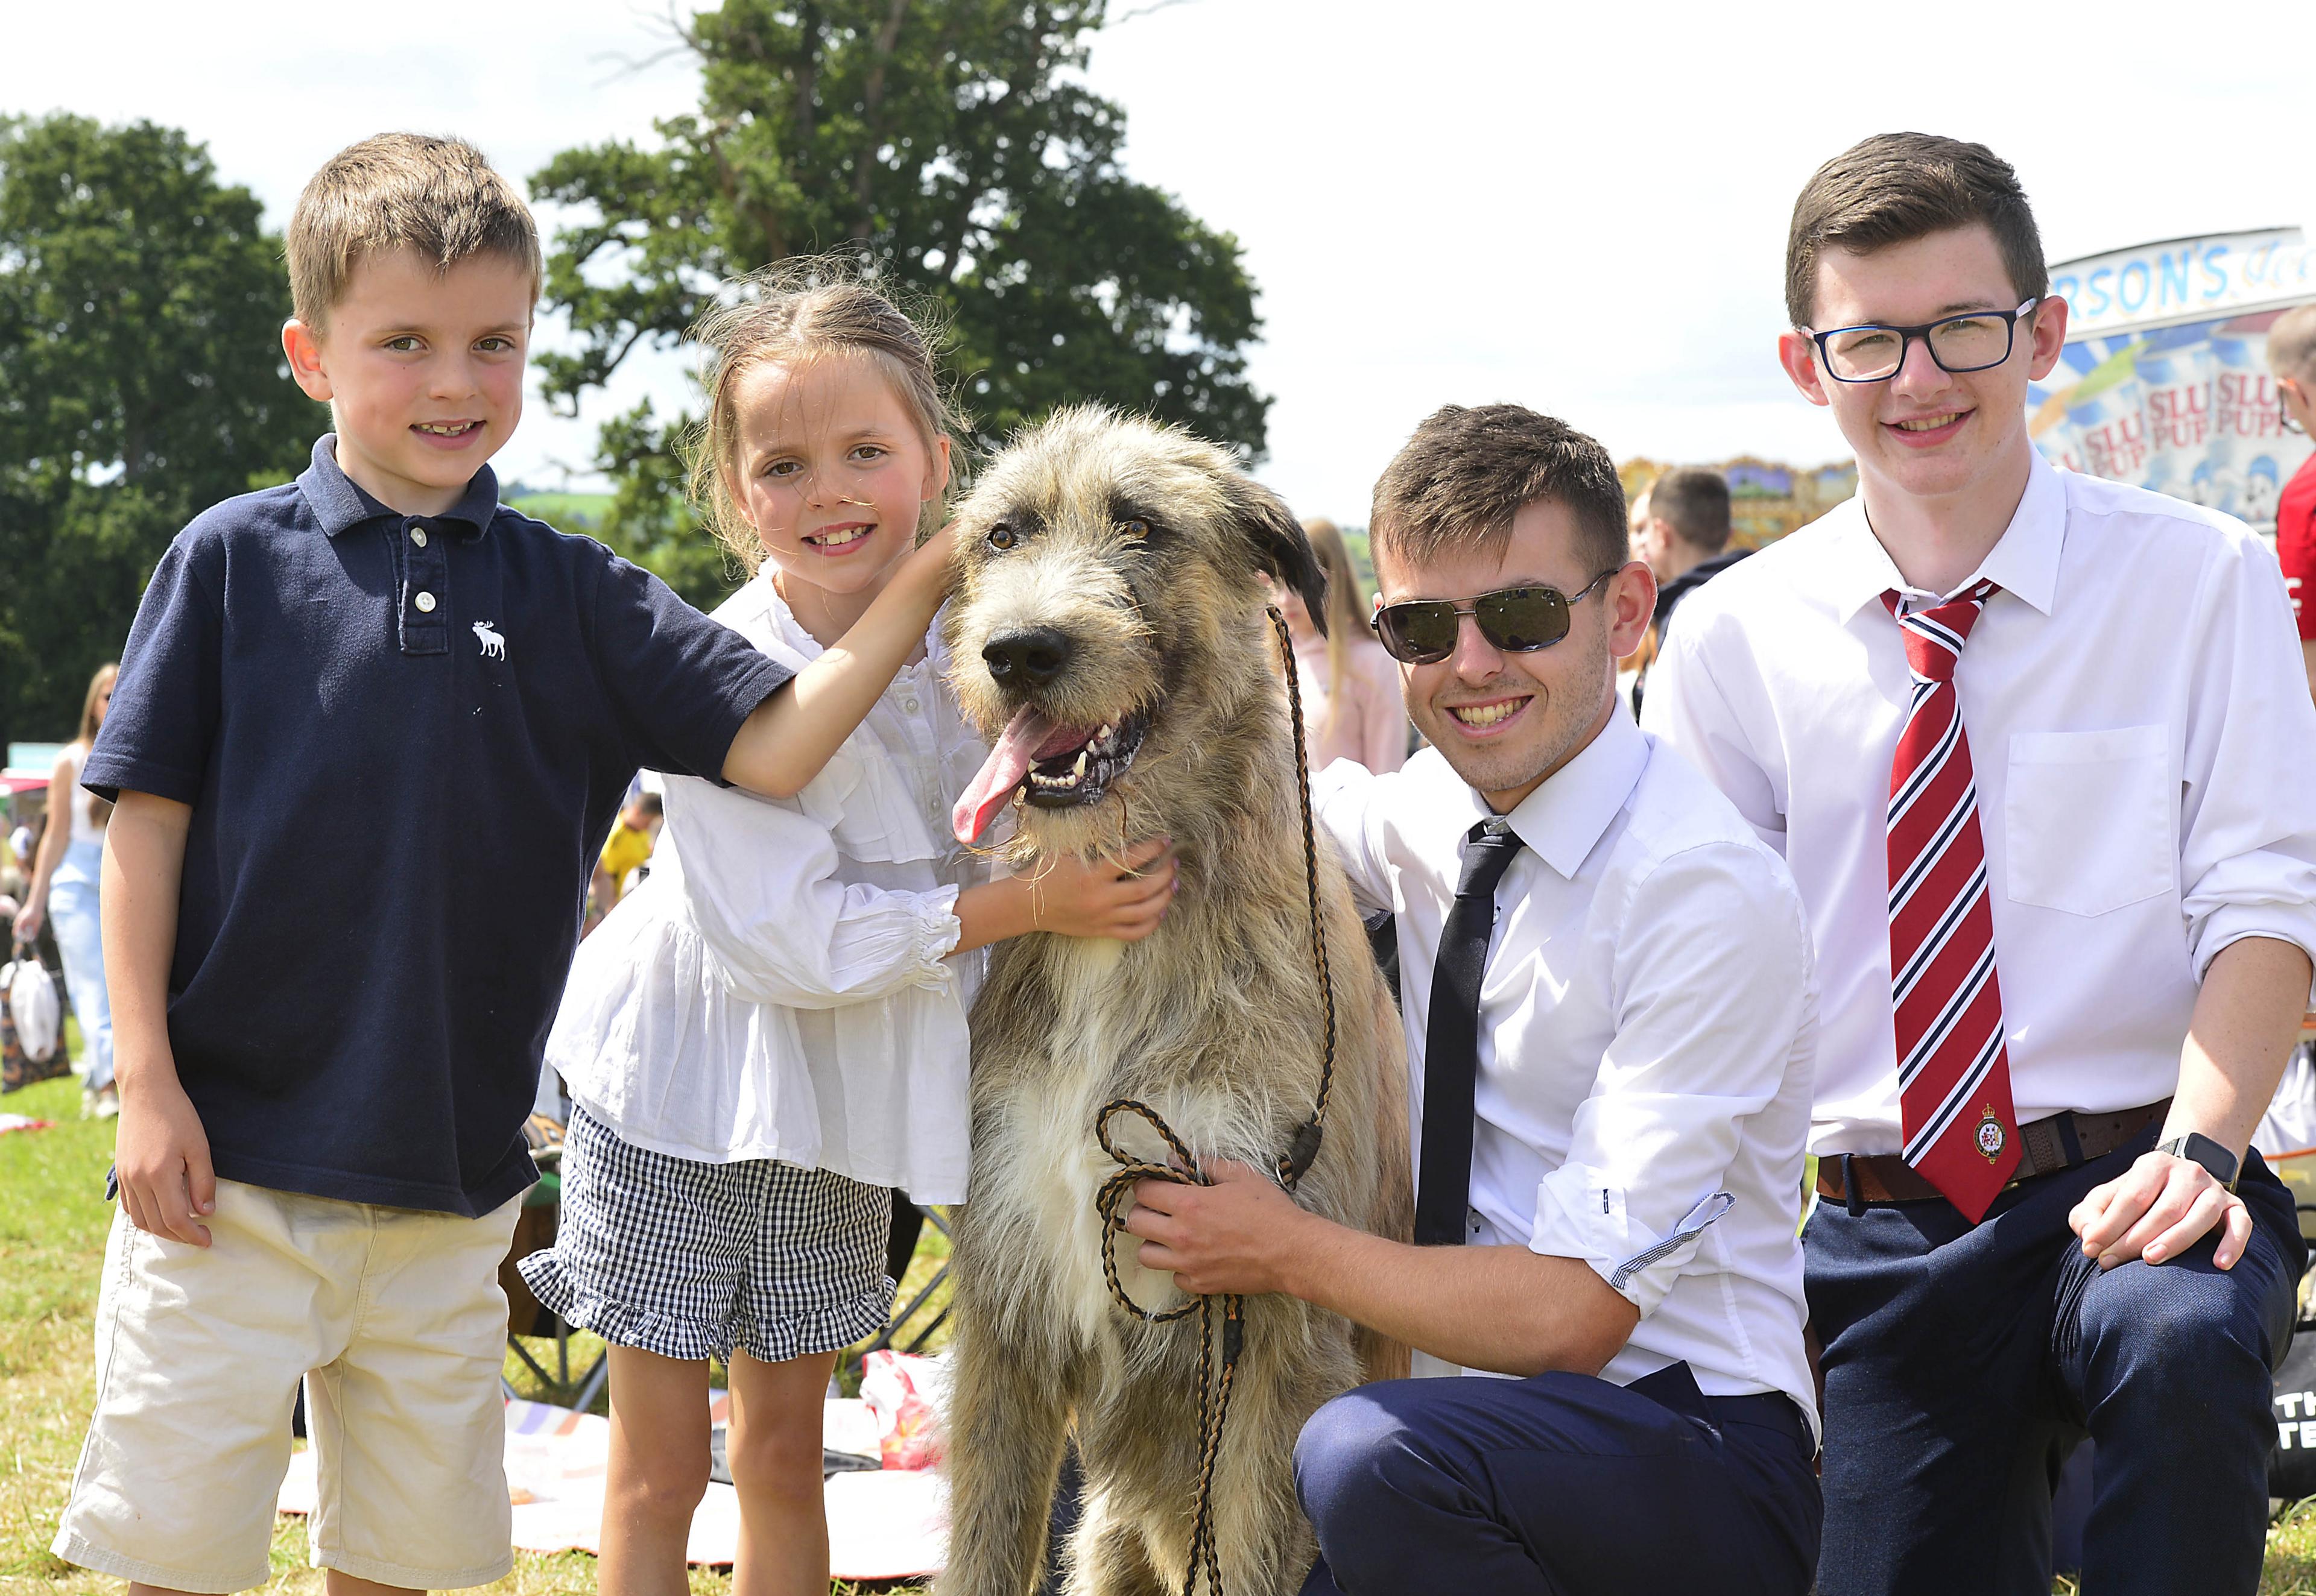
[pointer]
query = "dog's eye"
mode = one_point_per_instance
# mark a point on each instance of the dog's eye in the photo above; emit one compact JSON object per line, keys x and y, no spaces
{"x":1002,"y":537}
{"x":1135,"y":529}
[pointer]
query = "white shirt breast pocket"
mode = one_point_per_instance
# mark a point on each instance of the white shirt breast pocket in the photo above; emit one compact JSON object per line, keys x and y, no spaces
{"x":2090,"y":818}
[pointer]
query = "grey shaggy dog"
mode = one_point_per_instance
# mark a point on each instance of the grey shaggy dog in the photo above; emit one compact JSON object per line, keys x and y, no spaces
{"x":1110,"y":635}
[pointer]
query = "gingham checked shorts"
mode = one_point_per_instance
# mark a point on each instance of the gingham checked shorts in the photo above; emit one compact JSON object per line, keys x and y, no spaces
{"x":691,"y":1260}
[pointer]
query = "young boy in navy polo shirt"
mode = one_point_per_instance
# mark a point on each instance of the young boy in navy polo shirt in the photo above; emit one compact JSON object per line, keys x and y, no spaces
{"x":368,"y":729}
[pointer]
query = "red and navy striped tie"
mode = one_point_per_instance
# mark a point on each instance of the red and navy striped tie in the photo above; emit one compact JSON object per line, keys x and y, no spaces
{"x":1954,"y":1070}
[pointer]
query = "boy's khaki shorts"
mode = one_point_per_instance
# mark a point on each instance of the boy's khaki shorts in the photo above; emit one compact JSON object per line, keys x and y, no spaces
{"x":399,"y":1318}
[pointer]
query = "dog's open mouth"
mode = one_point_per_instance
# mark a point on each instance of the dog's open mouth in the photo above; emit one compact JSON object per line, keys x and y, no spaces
{"x":1051,"y":765}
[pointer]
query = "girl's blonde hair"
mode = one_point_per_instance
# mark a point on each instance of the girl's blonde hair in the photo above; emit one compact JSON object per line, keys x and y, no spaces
{"x":797,"y":310}
{"x":100,"y":810}
{"x":105,"y":673}
{"x":1347,"y":614}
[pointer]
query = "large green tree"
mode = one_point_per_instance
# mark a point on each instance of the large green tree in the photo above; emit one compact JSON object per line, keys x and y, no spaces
{"x":140,"y":381}
{"x":951,"y":146}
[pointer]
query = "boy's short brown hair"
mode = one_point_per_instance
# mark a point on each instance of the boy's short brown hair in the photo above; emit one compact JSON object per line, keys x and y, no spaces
{"x":1694,"y":500}
{"x":2292,"y":344}
{"x":1467,"y":472}
{"x":1894,"y":188}
{"x":401,"y":190}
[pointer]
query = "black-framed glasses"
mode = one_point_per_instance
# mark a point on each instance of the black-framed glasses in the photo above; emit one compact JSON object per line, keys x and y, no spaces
{"x":1516,"y":620}
{"x":1872,"y":353}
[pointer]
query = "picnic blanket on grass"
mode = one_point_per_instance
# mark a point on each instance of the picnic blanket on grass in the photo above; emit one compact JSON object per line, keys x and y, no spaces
{"x":883,"y":1524}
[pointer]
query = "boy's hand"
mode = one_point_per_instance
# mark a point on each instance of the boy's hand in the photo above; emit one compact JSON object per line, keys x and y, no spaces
{"x":161,"y":1159}
{"x":1125,"y":898}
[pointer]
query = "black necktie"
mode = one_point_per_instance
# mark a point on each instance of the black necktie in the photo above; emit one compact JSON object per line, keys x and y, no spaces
{"x":1451,"y":1042}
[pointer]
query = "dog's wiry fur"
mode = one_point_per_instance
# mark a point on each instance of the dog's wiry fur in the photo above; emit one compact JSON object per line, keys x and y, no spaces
{"x":1214,"y":1021}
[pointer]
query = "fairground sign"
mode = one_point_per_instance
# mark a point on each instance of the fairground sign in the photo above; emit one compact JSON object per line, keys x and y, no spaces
{"x":2185,"y":279}
{"x":2164,"y":378}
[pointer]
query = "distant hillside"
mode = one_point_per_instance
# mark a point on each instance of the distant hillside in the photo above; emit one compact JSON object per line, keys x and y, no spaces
{"x":568,"y":512}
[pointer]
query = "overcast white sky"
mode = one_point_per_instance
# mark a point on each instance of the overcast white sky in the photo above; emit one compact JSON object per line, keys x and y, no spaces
{"x":1578,"y":208}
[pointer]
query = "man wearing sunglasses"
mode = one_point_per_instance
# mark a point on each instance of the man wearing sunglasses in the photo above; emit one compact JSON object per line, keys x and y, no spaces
{"x":1608,"y":1004}
{"x":2037,"y":749}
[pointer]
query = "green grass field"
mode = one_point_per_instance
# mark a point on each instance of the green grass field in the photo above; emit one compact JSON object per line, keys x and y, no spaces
{"x":566,"y":512}
{"x":53,"y":1218}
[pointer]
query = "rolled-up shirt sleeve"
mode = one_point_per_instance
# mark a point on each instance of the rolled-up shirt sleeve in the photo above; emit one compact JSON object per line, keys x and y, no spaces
{"x":1344,"y":800}
{"x":759,"y":881}
{"x":2248,"y":816}
{"x":1714,"y":994}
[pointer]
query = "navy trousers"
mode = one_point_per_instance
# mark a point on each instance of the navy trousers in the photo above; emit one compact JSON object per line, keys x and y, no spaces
{"x":1963,"y":1364}
{"x":1559,"y":1486}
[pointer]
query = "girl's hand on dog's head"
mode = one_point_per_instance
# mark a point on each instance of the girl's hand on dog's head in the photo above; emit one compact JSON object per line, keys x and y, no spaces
{"x":1122,"y":899}
{"x":930,"y":568}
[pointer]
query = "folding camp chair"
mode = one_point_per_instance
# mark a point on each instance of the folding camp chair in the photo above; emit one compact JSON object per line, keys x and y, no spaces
{"x":528,"y":1318}
{"x":909,"y":1220}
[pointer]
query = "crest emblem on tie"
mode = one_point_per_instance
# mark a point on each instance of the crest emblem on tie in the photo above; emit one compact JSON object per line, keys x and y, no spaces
{"x":1991,"y":1133}
{"x":493,"y":644}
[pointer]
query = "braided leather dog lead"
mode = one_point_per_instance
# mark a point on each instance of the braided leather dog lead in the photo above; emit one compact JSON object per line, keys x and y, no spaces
{"x":1230,"y":1307}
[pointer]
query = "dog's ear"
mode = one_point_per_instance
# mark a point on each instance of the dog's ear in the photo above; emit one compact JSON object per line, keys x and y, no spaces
{"x":1281,"y":549}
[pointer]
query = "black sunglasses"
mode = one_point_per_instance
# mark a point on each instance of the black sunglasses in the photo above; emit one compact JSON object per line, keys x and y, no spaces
{"x":1516,"y":620}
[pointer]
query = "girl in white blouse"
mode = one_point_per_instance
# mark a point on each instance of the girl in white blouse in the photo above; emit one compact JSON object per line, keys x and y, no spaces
{"x":769,"y":1035}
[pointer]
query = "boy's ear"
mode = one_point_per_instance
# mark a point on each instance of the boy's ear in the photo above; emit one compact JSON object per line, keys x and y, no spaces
{"x":1281,"y":549}
{"x":304,"y":352}
{"x":1798,"y":356}
{"x":2050,"y":335}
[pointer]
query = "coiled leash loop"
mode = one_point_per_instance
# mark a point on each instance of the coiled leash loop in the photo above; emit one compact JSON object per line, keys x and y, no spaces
{"x":1227,"y":1309}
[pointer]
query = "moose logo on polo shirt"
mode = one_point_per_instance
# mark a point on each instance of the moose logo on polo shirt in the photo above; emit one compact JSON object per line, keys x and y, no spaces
{"x":494,"y":646}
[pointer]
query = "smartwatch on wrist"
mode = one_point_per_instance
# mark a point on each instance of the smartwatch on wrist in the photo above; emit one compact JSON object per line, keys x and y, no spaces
{"x":2200,"y":1148}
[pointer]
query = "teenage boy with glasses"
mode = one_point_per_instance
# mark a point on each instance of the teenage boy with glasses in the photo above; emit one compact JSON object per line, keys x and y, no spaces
{"x":1610,"y":1011}
{"x":2036,"y":748}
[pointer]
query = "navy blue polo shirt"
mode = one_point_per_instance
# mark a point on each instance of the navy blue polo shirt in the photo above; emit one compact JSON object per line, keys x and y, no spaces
{"x":404,"y":738}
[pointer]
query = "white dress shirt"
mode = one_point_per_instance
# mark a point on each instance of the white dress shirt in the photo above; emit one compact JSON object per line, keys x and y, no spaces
{"x":2146,"y":749}
{"x":1646,"y":1026}
{"x":783,"y":985}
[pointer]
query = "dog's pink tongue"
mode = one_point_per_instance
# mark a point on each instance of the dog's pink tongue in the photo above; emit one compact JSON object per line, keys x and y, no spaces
{"x":1007,"y":764}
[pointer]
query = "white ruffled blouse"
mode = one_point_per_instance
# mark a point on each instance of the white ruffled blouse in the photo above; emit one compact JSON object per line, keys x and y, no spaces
{"x":783,"y":984}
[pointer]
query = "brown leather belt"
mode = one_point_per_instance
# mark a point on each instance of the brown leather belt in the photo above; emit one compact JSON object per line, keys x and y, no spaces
{"x":2046,"y":1147}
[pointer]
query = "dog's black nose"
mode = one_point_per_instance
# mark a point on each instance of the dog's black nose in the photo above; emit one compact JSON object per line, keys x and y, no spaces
{"x":1034,"y":655}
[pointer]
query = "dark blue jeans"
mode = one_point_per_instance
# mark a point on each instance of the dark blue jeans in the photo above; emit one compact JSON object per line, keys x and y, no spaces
{"x":1559,"y":1486}
{"x":1963,"y":1364}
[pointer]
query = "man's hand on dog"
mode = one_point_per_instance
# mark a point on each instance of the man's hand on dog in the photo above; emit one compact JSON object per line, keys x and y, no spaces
{"x":1238,"y":1235}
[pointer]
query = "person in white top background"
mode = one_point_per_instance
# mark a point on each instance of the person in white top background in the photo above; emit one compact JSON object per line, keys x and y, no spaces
{"x":1610,"y":1012}
{"x":2040,"y":754}
{"x":63,"y":892}
{"x":1350,"y":688}
{"x":768,"y":1034}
